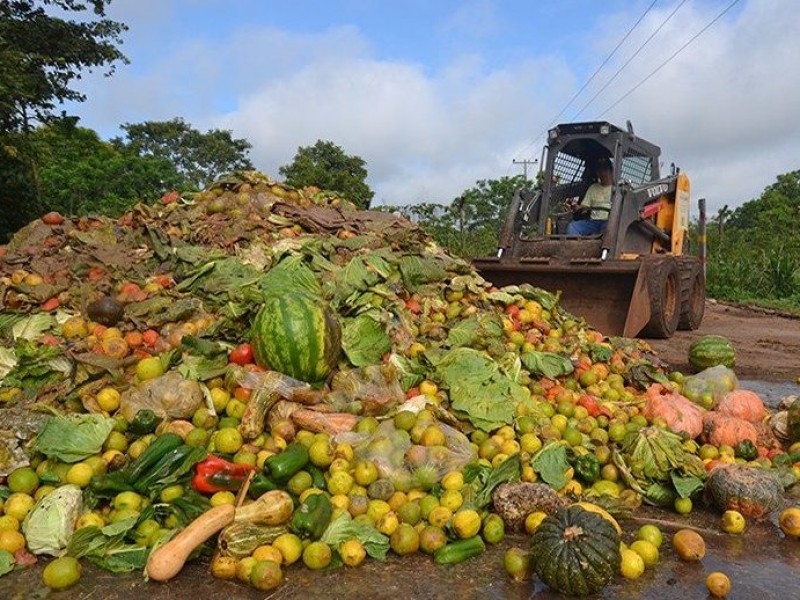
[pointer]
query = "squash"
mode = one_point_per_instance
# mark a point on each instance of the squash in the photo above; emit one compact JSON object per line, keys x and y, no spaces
{"x":271,"y":508}
{"x":725,"y":430}
{"x":752,"y":491}
{"x":743,"y":404}
{"x":575,"y":551}
{"x":239,"y":539}
{"x":168,"y":560}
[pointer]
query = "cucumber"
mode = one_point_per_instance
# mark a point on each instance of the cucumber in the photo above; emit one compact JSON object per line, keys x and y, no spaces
{"x":456,"y":552}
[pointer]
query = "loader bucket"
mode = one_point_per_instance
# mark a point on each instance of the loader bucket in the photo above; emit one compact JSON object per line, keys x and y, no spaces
{"x":611,"y":296}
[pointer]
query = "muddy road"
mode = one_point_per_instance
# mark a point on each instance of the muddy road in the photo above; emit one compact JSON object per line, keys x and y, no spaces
{"x":767,"y":343}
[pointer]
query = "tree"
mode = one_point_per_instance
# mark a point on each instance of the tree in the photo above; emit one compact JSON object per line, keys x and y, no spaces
{"x":326,"y":166}
{"x":42,"y":50}
{"x":470,"y":225}
{"x":199,"y":158}
{"x":82,"y":174}
{"x":40,"y":55}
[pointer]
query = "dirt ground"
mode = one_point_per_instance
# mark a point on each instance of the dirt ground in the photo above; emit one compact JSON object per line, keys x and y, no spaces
{"x":767,"y":343}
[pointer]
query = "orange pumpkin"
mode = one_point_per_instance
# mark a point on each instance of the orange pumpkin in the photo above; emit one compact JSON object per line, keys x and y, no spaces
{"x":721,"y":429}
{"x":743,"y":404}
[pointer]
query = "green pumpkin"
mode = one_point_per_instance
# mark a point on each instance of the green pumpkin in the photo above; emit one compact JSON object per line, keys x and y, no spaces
{"x":752,"y":491}
{"x":710,"y":351}
{"x":575,"y":552}
{"x":298,"y":336}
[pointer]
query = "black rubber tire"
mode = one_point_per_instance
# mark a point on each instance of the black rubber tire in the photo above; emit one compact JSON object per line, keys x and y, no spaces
{"x":693,"y":297}
{"x":665,"y":300}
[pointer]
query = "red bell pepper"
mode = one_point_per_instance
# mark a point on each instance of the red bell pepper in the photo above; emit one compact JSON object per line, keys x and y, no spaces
{"x":215,"y":474}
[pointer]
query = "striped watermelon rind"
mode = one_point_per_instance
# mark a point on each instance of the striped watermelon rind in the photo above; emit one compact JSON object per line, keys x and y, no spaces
{"x":297,"y":335}
{"x":710,"y":351}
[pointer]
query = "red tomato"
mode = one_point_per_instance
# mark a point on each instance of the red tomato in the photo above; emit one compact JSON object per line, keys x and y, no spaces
{"x":165,"y":281}
{"x":590,"y":404}
{"x":413,"y":306}
{"x":53,"y":218}
{"x":150,"y":337}
{"x":242,"y":355}
{"x":51,"y":304}
{"x":712,"y":464}
{"x":512,"y":310}
{"x":412,"y":392}
{"x":49,"y":340}
{"x":773,"y":453}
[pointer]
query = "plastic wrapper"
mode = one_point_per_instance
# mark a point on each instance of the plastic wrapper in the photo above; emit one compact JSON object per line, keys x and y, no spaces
{"x":709,"y":386}
{"x":169,"y":396}
{"x":398,"y":458}
{"x":370,"y":391}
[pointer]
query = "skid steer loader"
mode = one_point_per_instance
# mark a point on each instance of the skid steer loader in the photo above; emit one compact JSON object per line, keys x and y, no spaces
{"x":635,"y":278}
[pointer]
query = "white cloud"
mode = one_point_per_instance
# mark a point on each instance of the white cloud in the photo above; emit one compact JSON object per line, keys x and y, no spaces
{"x":727,"y":109}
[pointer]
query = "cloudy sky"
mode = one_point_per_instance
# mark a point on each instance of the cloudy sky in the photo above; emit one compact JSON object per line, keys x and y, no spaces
{"x":437,"y":95}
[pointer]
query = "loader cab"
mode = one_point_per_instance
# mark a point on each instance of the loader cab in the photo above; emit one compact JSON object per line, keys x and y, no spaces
{"x":572,"y":152}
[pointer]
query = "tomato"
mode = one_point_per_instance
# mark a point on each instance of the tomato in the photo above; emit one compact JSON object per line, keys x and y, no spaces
{"x":53,"y":218}
{"x":170,"y":197}
{"x":51,"y":304}
{"x":590,"y":404}
{"x":49,"y":340}
{"x":96,"y":273}
{"x":412,"y":392}
{"x":129,"y":288}
{"x":242,"y":355}
{"x":150,"y":337}
{"x":413,"y":306}
{"x":165,"y":281}
{"x":773,"y":453}
{"x":512,"y":310}
{"x":712,"y":464}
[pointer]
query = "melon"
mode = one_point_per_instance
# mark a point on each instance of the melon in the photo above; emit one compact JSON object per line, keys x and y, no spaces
{"x":710,"y":351}
{"x":298,"y":336}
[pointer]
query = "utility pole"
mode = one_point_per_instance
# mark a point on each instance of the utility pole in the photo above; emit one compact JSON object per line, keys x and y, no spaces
{"x":525,"y":164}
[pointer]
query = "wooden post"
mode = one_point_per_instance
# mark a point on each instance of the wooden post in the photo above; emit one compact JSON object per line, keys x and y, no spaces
{"x":701,"y":233}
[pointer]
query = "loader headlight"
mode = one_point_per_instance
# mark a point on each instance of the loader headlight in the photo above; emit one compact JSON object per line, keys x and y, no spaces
{"x":553,"y":133}
{"x":604,"y":130}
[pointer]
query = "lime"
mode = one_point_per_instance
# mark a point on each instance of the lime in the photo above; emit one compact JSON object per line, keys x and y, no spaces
{"x":683,"y":506}
{"x":290,"y":546}
{"x":650,"y":533}
{"x":23,"y":480}
{"x":632,"y":564}
{"x":228,"y":440}
{"x":647,"y":551}
{"x":80,"y":474}
{"x":62,"y":573}
{"x":317,"y":556}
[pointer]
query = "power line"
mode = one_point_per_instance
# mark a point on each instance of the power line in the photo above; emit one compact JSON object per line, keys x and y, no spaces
{"x":672,"y":56}
{"x":603,"y":64}
{"x":588,"y":81}
{"x":627,"y":62}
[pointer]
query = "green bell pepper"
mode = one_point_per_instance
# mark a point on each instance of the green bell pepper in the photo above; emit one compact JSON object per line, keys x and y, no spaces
{"x":313,"y":517}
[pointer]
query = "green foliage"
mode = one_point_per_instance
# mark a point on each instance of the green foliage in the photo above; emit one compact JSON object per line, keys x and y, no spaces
{"x":42,"y":50}
{"x":81,"y":174}
{"x":326,"y":166}
{"x":754,"y":255}
{"x":199,"y":158}
{"x":470,"y":225}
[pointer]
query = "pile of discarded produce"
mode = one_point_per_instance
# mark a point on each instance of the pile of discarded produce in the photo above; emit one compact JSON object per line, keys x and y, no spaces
{"x":269,"y":376}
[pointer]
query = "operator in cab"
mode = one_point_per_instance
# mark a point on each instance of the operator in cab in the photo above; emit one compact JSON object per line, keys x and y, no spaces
{"x":596,"y":202}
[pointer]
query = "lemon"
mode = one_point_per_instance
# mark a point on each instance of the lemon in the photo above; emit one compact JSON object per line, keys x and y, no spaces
{"x":647,"y":551}
{"x":466,"y":523}
{"x":454,"y":480}
{"x":340,"y":483}
{"x":9,"y":523}
{"x":224,"y":497}
{"x":533,"y":520}
{"x":290,"y":546}
{"x":108,"y":399}
{"x":18,"y":505}
{"x":268,"y":552}
{"x":733,"y":522}
{"x":440,"y":516}
{"x":652,"y":534}
{"x":11,"y":540}
{"x":352,"y":552}
{"x":632,"y":565}
{"x":451,"y":499}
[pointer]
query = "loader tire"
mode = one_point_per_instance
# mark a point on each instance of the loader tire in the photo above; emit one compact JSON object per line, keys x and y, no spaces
{"x":693,"y":296}
{"x":665,"y":300}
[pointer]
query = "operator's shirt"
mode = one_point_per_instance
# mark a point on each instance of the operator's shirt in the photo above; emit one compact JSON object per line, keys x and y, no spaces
{"x":598,"y":196}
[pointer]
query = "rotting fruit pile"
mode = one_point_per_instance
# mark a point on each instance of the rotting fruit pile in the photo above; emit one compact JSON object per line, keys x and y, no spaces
{"x":270,"y":376}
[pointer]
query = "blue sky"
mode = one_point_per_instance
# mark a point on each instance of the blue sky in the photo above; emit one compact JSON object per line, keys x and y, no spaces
{"x":436,"y":95}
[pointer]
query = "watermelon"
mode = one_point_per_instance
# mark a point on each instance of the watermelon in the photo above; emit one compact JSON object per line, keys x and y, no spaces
{"x":710,"y":351}
{"x":297,"y":335}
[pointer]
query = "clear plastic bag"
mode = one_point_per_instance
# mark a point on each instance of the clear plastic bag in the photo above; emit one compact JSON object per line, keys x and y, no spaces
{"x":406,"y":463}
{"x":709,"y":386}
{"x":169,"y":396}
{"x":369,"y":391}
